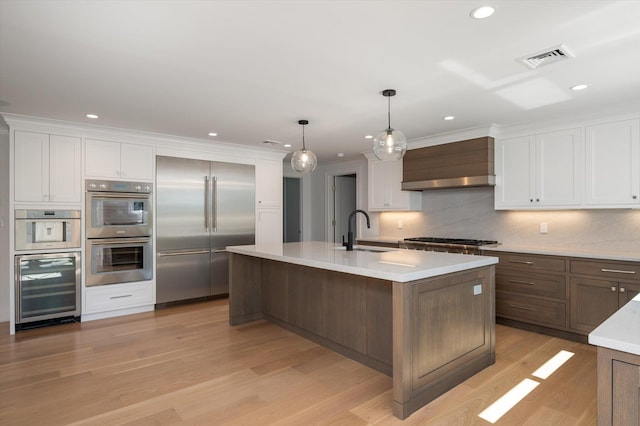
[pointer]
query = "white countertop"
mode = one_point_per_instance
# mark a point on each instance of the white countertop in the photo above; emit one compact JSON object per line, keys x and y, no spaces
{"x":621,"y":331}
{"x":387,"y":264}
{"x":587,"y":252}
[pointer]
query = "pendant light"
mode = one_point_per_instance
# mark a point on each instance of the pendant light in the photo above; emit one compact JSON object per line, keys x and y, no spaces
{"x":389,"y":144}
{"x":304,"y":161}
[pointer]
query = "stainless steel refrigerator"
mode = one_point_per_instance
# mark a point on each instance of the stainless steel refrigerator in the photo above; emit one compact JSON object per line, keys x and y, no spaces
{"x":201,"y":208}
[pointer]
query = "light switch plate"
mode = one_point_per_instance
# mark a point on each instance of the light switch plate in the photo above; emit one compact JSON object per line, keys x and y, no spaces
{"x":477,"y":289}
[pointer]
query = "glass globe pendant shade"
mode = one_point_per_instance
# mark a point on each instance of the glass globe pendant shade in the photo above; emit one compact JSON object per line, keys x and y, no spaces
{"x":304,"y":161}
{"x":390,"y":145}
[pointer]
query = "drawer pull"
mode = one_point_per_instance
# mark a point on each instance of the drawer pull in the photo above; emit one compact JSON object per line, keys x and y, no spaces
{"x":524,"y":262}
{"x":120,"y":297}
{"x":521,"y":282}
{"x":526,"y":308}
{"x":617,"y":271}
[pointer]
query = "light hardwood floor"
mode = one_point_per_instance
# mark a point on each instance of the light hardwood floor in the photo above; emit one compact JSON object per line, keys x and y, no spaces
{"x":186,"y":365}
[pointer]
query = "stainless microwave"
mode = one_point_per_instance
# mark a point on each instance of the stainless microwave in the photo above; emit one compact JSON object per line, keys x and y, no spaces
{"x":47,"y":229}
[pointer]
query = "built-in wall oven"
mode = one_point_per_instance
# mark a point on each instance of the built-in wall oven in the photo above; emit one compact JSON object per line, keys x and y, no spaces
{"x":119,"y":226}
{"x":118,"y":209}
{"x":118,"y":260}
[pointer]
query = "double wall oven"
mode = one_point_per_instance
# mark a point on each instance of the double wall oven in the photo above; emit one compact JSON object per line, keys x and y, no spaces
{"x":119,"y":226}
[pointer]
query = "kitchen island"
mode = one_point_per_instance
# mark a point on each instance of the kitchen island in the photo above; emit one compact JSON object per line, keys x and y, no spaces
{"x":427,"y":319}
{"x":618,"y":342}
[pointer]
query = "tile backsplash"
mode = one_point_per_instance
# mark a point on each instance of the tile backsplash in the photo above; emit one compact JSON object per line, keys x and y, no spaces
{"x":469,"y":213}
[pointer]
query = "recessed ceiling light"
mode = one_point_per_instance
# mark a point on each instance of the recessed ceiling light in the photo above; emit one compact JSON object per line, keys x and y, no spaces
{"x":213,"y":134}
{"x":94,"y":116}
{"x":448,"y":117}
{"x":341,"y":154}
{"x":287,"y":145}
{"x":368,"y":137}
{"x":482,"y":12}
{"x":578,"y":87}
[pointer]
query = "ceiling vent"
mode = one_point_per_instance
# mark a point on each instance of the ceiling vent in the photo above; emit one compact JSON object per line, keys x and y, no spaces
{"x":548,"y":56}
{"x":271,"y":142}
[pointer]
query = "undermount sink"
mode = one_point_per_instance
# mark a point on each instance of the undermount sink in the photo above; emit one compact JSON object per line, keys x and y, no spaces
{"x":369,"y":249}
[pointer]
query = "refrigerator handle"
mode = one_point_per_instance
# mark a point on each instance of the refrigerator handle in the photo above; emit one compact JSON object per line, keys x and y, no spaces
{"x":214,"y":220}
{"x":206,"y":203}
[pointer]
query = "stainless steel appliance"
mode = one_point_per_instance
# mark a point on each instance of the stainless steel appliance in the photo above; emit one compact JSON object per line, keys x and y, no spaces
{"x":201,"y":208}
{"x":47,"y":288}
{"x":118,"y":260}
{"x":119,"y":226}
{"x":47,"y":229}
{"x":449,"y":245}
{"x":118,"y":209}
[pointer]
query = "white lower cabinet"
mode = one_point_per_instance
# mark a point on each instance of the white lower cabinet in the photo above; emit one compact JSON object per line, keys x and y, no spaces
{"x":117,"y":299}
{"x":268,"y":226}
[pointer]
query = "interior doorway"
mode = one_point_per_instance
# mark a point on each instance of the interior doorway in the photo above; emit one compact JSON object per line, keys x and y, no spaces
{"x":344,"y":202}
{"x":292,"y":210}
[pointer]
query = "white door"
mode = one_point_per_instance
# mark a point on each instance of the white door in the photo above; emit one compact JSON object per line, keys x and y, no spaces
{"x":559,"y":169}
{"x":344,"y":204}
{"x":515,"y":185}
{"x":613,"y":163}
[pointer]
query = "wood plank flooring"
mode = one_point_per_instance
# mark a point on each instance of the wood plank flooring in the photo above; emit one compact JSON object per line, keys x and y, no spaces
{"x":186,"y":365}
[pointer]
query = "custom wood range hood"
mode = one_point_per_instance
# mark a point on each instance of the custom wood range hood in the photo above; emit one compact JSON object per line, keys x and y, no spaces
{"x":452,"y":165}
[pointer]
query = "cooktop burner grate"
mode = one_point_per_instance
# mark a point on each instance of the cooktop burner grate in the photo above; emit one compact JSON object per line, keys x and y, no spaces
{"x":457,"y":241}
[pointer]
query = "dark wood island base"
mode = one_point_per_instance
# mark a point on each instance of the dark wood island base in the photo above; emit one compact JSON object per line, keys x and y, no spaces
{"x":429,"y":334}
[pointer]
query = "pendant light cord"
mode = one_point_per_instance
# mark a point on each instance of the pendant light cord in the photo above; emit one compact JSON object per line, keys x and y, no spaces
{"x":389,"y":110}
{"x":304,"y":148}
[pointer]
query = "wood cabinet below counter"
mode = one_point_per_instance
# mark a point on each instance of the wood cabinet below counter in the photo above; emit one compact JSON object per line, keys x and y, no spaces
{"x":561,"y":295}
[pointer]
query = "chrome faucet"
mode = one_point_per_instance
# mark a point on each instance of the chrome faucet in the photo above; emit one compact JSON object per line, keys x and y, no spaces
{"x":349,"y":243}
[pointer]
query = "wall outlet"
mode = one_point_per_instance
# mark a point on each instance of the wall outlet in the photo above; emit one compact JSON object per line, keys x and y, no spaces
{"x":544,"y":227}
{"x":400,"y":224}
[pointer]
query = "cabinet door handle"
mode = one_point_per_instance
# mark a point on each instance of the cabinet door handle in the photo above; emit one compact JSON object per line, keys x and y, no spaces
{"x":622,"y":290}
{"x":524,"y":262}
{"x":617,"y":271}
{"x":525,"y":308}
{"x":521,"y":282}
{"x":614,"y":288}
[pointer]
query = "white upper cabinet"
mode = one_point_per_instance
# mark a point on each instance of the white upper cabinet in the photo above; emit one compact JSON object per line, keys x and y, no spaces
{"x":385,"y":188}
{"x":268,"y":184}
{"x":539,"y":171}
{"x":47,"y":168}
{"x":613,"y":164}
{"x":105,"y":159}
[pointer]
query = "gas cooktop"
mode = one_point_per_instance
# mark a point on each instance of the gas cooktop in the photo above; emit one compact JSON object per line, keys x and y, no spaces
{"x":457,"y":241}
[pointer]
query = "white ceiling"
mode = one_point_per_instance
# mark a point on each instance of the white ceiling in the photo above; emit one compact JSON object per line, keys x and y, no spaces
{"x":249,"y":70}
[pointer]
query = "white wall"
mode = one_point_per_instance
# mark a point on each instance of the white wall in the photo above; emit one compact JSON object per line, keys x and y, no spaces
{"x":316,"y":205}
{"x":469,"y":213}
{"x":5,"y":281}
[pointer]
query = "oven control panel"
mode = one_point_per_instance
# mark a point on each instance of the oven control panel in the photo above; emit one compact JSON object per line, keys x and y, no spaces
{"x":118,"y":186}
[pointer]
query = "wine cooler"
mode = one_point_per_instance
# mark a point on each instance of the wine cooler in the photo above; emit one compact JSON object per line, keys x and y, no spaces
{"x":47,"y":288}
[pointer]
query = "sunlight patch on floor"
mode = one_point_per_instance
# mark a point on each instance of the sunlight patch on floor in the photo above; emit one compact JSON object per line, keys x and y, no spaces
{"x":495,"y":411}
{"x":507,"y":401}
{"x":549,"y":367}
